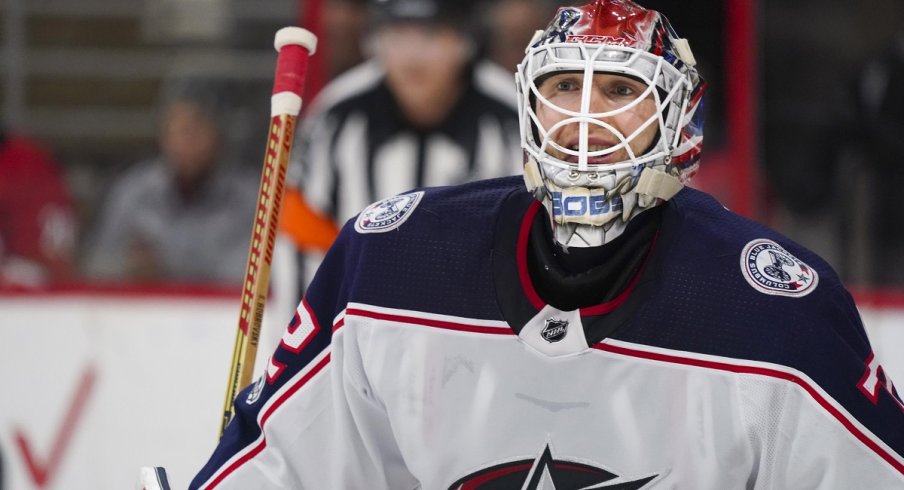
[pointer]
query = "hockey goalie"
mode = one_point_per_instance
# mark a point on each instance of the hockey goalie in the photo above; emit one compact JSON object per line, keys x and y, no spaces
{"x":595,"y":323}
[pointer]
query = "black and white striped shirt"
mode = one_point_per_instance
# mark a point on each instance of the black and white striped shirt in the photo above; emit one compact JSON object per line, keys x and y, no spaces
{"x":356,"y":147}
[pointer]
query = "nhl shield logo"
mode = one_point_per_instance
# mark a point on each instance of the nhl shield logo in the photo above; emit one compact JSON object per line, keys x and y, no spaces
{"x":387,"y":214}
{"x":554,"y":330}
{"x":771,"y":269}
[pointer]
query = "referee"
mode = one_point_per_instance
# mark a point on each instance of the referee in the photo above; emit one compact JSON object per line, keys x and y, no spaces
{"x":426,"y":110}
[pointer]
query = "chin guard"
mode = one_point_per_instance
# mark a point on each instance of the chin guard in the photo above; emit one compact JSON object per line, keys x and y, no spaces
{"x":588,"y":216}
{"x":657,"y":184}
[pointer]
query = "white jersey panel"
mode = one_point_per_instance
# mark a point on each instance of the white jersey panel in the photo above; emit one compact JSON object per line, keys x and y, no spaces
{"x":682,"y":425}
{"x":383,"y":410}
{"x":624,"y":415}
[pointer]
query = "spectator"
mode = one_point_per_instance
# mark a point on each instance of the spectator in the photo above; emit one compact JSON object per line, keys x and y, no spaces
{"x":185,"y":215}
{"x":37,"y":216}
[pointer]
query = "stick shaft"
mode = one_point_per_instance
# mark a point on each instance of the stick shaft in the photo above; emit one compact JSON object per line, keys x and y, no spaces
{"x":260,"y":258}
{"x":294,"y":46}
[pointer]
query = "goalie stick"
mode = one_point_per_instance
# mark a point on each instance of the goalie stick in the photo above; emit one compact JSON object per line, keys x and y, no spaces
{"x":294,"y":45}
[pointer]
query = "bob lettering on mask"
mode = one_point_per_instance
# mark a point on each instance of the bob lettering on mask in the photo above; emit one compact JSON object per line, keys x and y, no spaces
{"x":592,"y":205}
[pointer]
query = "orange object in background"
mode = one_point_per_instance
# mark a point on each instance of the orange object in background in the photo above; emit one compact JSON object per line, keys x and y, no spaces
{"x":308,"y":229}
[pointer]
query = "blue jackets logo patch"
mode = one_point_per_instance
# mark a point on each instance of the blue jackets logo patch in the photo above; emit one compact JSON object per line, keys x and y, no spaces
{"x":387,"y":214}
{"x":770,"y":269}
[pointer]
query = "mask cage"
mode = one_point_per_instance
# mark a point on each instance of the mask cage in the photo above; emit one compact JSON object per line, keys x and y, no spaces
{"x":669,"y":88}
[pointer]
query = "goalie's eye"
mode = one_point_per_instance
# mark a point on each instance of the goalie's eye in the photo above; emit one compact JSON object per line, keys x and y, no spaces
{"x":559,"y":83}
{"x":623,"y":91}
{"x":566,"y":85}
{"x":622,"y":88}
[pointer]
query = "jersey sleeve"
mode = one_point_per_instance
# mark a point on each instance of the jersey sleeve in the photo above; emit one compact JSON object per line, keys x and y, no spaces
{"x":311,"y":421}
{"x":835,"y":426}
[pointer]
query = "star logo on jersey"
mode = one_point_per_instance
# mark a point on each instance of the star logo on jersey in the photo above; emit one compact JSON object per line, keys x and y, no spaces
{"x":548,"y":473}
{"x":387,"y":214}
{"x":771,"y":269}
{"x":554,"y":330}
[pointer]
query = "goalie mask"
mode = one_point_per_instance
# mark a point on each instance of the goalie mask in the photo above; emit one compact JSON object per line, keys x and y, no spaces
{"x":611,"y":118}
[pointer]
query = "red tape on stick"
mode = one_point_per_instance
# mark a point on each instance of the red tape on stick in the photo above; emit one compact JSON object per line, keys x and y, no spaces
{"x":290,"y":69}
{"x":295,"y":45}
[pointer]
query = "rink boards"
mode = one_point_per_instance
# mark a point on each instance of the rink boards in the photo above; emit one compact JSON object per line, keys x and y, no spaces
{"x":98,"y":384}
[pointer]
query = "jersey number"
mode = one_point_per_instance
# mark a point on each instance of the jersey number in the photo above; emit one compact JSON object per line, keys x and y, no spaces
{"x":875,"y":379}
{"x":301,"y":330}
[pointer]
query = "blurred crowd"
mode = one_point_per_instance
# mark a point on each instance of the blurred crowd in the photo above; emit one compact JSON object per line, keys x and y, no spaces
{"x":421,"y":93}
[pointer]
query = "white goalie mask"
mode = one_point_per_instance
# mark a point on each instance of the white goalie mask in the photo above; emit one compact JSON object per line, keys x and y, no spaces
{"x":591,"y":169}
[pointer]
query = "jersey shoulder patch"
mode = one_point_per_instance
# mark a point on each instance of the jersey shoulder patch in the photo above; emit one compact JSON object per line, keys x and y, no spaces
{"x":388,"y":214}
{"x":771,"y":269}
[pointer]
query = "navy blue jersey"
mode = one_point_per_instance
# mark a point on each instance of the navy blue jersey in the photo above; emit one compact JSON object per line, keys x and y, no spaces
{"x":423,"y":357}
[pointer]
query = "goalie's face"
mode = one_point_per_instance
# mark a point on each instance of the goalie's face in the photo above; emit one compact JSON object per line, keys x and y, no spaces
{"x":626,"y":130}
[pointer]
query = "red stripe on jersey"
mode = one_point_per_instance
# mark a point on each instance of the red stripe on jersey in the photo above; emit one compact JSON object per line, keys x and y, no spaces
{"x":339,"y":325}
{"x":429,"y":322}
{"x":272,"y":408}
{"x":244,"y":459}
{"x":521,"y":257}
{"x":611,"y":305}
{"x":761,"y":371}
{"x":477,"y":482}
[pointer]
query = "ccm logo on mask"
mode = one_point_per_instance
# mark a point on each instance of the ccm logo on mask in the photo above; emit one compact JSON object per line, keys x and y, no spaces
{"x":584,"y":205}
